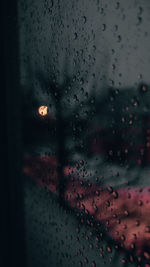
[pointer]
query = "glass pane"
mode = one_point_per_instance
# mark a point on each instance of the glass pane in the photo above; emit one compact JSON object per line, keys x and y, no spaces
{"x":84,"y":76}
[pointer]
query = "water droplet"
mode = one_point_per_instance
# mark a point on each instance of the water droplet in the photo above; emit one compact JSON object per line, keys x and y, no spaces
{"x":116,"y":28}
{"x":130,"y":122}
{"x":140,"y":202}
{"x":144,"y":88}
{"x":115,"y":194}
{"x":75,"y":36}
{"x":92,"y":101}
{"x":132,"y":246}
{"x":113,"y":51}
{"x":85,"y":260}
{"x":97,"y":192}
{"x":140,"y":10}
{"x":84,"y":18}
{"x":81,"y":81}
{"x":119,"y":38}
{"x":113,"y":66}
{"x":137,"y":223}
{"x":123,"y":238}
{"x":102,"y":10}
{"x":109,"y":249}
{"x":103,"y":27}
{"x":146,"y":255}
{"x":139,"y":21}
{"x":93,"y":264}
{"x":117,"y":5}
{"x":147,"y":229}
{"x":91,"y":246}
{"x":126,"y":213}
{"x":110,"y":152}
{"x":110,"y":189}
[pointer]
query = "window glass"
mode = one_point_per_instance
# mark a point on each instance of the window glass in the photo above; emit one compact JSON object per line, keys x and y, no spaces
{"x":86,"y":132}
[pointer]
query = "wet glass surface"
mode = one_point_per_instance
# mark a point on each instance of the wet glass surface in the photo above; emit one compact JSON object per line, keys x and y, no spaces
{"x":86,"y":132}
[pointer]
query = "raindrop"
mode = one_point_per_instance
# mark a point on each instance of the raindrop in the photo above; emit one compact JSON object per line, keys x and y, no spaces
{"x":93,"y":264}
{"x":81,"y":81}
{"x":140,"y":203}
{"x":143,"y":88}
{"x":102,"y":10}
{"x":84,"y":18}
{"x":103,"y":27}
{"x":109,"y":249}
{"x":75,"y":36}
{"x":140,"y":10}
{"x":139,"y":21}
{"x":115,"y":194}
{"x":113,"y":51}
{"x":146,"y":255}
{"x":110,"y":189}
{"x":86,"y":260}
{"x":113,"y":66}
{"x":119,"y":38}
{"x":117,"y":5}
{"x":116,"y":28}
{"x":147,"y":229}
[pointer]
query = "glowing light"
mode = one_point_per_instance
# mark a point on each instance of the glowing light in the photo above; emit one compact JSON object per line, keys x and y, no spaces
{"x":43,"y":110}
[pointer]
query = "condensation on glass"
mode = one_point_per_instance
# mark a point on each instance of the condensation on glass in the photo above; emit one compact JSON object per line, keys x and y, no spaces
{"x":86,"y":127}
